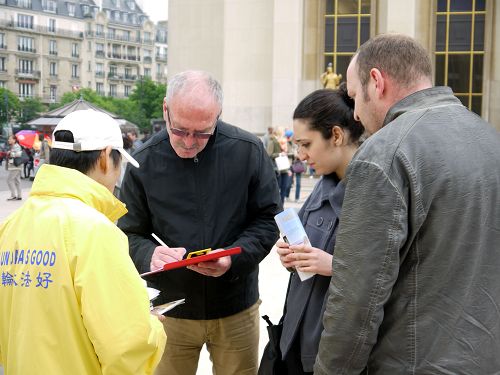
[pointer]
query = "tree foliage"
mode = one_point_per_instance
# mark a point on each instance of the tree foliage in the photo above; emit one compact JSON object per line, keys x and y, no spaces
{"x":29,"y":109}
{"x":144,"y":103}
{"x":9,"y":106}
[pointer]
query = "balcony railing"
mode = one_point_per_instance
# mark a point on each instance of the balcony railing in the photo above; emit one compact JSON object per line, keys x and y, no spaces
{"x":148,"y":59}
{"x":114,"y":76}
{"x":53,"y":53}
{"x":161,"y":56}
{"x":42,"y":29}
{"x":3,"y":46}
{"x":100,"y":54}
{"x":28,"y":73}
{"x":99,"y":74}
{"x":130,"y":77}
{"x":114,"y":55}
{"x":75,"y":55}
{"x":26,"y":49}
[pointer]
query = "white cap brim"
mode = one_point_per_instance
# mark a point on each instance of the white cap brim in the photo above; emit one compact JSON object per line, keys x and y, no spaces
{"x":129,"y":157}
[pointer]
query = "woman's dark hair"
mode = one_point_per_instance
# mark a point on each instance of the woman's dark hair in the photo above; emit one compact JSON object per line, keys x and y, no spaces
{"x":325,"y":108}
{"x":82,"y":161}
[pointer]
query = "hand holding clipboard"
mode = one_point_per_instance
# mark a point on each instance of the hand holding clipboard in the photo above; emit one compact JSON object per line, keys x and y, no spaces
{"x":213,"y":263}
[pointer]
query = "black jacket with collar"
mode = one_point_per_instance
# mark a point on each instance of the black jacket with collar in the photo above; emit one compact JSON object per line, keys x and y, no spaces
{"x":226,"y":196}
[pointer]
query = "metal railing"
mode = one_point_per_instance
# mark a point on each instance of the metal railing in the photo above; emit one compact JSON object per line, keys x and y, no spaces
{"x":26,"y":49}
{"x":42,"y":29}
{"x":28,"y":73}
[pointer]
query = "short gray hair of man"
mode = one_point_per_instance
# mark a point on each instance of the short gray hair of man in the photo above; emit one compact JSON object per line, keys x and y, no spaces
{"x":191,"y":80}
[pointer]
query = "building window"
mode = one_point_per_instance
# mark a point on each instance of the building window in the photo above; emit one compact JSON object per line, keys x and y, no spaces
{"x":2,"y":41}
{"x":53,"y":69}
{"x":3,"y":84}
{"x":52,"y":47}
{"x":25,"y":66}
{"x":147,"y":36}
{"x":26,"y":90}
{"x":25,"y":21}
{"x":52,"y":25}
{"x":25,"y":44}
{"x":74,"y":50}
{"x":112,"y":90}
{"x":74,"y":71}
{"x":53,"y":94}
{"x":24,"y":3}
{"x":3,"y":66}
{"x":460,"y":49}
{"x":347,"y":26}
{"x":99,"y":29}
{"x":99,"y":88}
{"x":147,"y":72}
{"x":89,"y":46}
{"x":49,"y":6}
{"x":71,"y":9}
{"x":127,"y":90}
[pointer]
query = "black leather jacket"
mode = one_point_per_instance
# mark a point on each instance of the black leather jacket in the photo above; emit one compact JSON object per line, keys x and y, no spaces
{"x":227,"y":196}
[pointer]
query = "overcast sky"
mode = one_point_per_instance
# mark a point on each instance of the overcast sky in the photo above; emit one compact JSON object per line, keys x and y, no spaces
{"x":157,"y":10}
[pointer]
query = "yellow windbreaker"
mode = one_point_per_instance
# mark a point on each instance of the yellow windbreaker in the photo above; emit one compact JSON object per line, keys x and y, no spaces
{"x":71,"y":300}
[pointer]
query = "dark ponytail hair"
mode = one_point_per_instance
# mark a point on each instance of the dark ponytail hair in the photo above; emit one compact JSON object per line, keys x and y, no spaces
{"x":326,"y":108}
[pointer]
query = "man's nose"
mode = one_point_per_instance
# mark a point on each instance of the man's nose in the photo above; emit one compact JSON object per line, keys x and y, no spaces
{"x":189,"y":140}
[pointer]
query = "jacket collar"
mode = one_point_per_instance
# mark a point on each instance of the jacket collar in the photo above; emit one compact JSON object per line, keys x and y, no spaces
{"x":439,"y":96}
{"x":61,"y":182}
{"x":331,"y":189}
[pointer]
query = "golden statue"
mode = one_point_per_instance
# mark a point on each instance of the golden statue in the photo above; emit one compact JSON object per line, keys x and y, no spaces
{"x":329,"y":79}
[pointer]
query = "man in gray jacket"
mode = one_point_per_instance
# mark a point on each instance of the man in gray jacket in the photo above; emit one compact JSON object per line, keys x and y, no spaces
{"x":416,"y":282}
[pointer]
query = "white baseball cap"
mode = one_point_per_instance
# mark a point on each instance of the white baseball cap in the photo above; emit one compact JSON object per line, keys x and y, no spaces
{"x":92,"y":130}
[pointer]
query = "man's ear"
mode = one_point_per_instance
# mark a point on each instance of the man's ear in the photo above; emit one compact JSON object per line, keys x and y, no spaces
{"x":378,"y":81}
{"x":165,"y":109}
{"x":105,"y":159}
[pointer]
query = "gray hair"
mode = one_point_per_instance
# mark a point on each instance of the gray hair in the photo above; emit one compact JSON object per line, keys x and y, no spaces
{"x":191,"y":80}
{"x":399,"y":56}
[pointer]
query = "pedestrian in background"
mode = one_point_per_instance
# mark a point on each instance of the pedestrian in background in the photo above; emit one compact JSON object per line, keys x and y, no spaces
{"x":203,"y":184}
{"x":327,"y":137}
{"x":415,"y":286}
{"x":71,"y":296}
{"x":14,"y":175}
{"x":136,"y":142}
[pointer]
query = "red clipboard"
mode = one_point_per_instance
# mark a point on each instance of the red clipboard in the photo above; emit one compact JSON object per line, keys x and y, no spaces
{"x":201,"y":258}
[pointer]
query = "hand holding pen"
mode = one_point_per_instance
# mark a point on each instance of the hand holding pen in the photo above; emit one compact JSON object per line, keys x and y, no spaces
{"x":164,"y":254}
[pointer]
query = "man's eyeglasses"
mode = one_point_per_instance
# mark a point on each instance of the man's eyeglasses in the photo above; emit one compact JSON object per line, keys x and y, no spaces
{"x":184,"y":133}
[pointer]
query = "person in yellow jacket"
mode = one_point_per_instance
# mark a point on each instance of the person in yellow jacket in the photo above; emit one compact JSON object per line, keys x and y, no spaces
{"x":71,"y":300}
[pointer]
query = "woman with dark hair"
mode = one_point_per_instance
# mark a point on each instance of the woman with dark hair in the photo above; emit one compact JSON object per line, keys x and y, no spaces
{"x":327,"y":137}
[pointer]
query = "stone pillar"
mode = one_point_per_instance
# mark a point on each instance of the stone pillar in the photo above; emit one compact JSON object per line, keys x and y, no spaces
{"x":233,"y":40}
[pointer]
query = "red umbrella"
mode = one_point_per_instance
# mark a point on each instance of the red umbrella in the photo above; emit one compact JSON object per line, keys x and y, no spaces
{"x":29,"y":138}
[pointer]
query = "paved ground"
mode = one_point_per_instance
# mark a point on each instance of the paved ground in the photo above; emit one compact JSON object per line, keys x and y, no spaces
{"x":272,"y":281}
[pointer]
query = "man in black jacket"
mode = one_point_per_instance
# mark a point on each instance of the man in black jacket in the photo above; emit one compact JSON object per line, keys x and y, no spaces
{"x":203,"y":183}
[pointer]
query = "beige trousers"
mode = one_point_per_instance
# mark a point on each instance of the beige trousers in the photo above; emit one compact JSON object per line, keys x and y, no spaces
{"x":233,"y":344}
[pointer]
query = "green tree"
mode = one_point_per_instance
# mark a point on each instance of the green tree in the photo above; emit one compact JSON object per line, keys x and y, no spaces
{"x":87,"y":94}
{"x":29,"y":109}
{"x":148,"y":97}
{"x":9,"y":106}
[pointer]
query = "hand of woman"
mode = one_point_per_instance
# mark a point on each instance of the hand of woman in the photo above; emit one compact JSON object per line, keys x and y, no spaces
{"x":311,"y":259}
{"x":284,"y":252}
